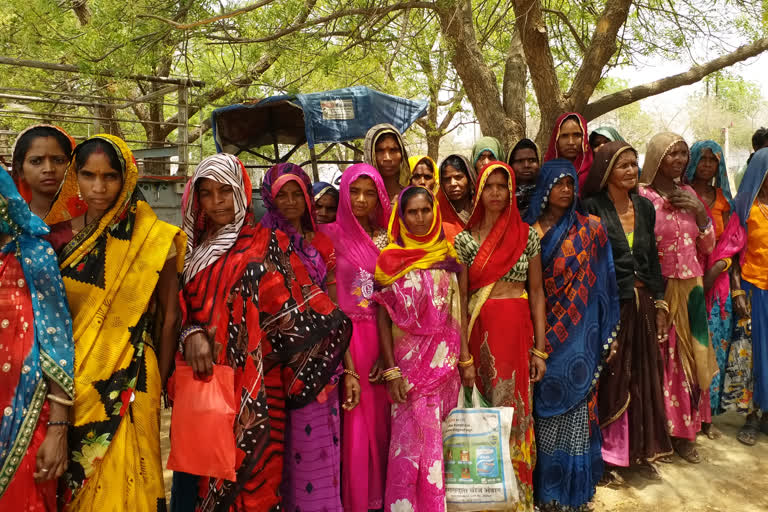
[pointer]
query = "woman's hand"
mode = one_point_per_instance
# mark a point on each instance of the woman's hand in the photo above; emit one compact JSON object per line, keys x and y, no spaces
{"x":51,"y":460}
{"x":198,"y":354}
{"x":468,"y":375}
{"x":741,"y":308}
{"x":662,"y":325}
{"x":374,"y":377}
{"x":685,"y":200}
{"x":397,"y":390}
{"x":538,"y":368}
{"x":351,"y":392}
{"x":711,"y":274}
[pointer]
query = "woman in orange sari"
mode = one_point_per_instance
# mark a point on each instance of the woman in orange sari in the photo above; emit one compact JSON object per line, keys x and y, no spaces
{"x":504,"y":260}
{"x":454,"y":197}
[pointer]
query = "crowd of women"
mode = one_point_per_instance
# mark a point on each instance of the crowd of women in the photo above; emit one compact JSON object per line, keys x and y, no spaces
{"x":349,"y":319}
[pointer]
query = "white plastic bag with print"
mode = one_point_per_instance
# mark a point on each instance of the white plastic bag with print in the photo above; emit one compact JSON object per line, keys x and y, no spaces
{"x":478,"y":466}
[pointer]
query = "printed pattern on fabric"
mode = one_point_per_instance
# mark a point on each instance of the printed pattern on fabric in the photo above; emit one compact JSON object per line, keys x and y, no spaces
{"x":467,"y":249}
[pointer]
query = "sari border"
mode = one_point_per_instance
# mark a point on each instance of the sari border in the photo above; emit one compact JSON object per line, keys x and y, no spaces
{"x":56,"y":373}
{"x":18,"y":450}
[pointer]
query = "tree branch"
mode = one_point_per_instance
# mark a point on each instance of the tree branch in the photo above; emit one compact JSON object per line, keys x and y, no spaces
{"x":601,"y":49}
{"x":199,"y":23}
{"x":576,"y":36}
{"x":693,"y":75}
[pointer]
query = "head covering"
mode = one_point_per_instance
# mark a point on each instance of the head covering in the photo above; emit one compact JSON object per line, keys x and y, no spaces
{"x":507,"y":239}
{"x":609,"y":132}
{"x":275,"y":178}
{"x":221,"y":168}
{"x":584,"y":161}
{"x":657,"y":149}
{"x":357,"y":254}
{"x":523,"y":144}
{"x":51,"y":353}
{"x":605,"y":159}
{"x":415,"y":160}
{"x":751,"y":183}
{"x":453,"y":223}
{"x":369,"y":150}
{"x":407,"y":251}
{"x":491,"y":144}
{"x":320,"y":188}
{"x":552,"y":172}
{"x":721,"y":177}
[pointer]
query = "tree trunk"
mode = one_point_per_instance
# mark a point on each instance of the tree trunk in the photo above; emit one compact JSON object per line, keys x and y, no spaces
{"x":514,"y":86}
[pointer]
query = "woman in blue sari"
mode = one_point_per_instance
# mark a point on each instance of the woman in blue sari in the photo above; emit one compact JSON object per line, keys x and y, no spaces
{"x":36,"y":352}
{"x":582,"y":321}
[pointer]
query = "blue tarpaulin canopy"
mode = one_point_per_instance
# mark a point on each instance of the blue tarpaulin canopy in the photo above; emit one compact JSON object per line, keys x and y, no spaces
{"x":322,"y":117}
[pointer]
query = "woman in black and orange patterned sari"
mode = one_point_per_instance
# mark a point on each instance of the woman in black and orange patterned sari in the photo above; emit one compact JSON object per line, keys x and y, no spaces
{"x":248,"y":302}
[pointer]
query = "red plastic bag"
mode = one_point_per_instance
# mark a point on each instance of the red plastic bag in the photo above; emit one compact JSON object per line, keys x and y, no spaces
{"x":202,"y":423}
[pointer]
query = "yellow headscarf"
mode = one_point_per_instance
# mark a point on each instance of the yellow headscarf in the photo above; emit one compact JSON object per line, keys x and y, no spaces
{"x":406,"y":251}
{"x":414,"y":161}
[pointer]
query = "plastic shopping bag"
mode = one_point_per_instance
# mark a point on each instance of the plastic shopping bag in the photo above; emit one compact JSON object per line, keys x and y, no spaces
{"x":478,"y":465}
{"x":202,"y":423}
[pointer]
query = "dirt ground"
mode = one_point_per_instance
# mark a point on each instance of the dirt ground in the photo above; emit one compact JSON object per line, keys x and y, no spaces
{"x":731,"y":477}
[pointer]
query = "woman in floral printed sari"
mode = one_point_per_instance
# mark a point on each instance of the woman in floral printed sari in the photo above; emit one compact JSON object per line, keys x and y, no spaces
{"x":36,"y":383}
{"x":120,"y":269}
{"x":503,"y":256}
{"x":248,"y":302}
{"x":422,"y":296}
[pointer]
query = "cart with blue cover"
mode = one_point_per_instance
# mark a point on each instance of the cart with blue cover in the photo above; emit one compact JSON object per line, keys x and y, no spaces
{"x":330,"y":117}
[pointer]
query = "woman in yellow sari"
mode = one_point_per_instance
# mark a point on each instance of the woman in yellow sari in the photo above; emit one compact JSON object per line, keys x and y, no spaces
{"x":120,"y":268}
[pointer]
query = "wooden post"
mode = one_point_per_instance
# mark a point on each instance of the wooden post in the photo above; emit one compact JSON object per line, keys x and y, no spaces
{"x":183,"y":134}
{"x":313,"y":158}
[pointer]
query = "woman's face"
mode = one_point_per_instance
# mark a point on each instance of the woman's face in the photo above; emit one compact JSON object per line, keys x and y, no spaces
{"x":455,"y":183}
{"x":599,"y":141}
{"x":290,"y":202}
{"x":570,"y":139}
{"x":363,"y":197}
{"x":495,"y":195}
{"x":423,"y":175}
{"x":44,"y":166}
{"x":484,"y":159}
{"x":561,"y":195}
{"x":625,"y":171}
{"x":389,"y":156}
{"x":99,"y":183}
{"x":418,"y":214}
{"x":707,"y":166}
{"x":526,"y":165}
{"x":674,"y":162}
{"x":326,"y":208}
{"x":217,"y":201}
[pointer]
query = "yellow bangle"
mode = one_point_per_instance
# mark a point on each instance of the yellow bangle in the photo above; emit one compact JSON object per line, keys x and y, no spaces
{"x":539,"y":353}
{"x":737,"y":293}
{"x":60,"y":401}
{"x":353,"y":374}
{"x":467,"y":363}
{"x":728,"y":263}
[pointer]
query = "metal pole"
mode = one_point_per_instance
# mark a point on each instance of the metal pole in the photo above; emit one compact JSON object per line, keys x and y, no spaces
{"x":313,"y":157}
{"x":183,"y":135}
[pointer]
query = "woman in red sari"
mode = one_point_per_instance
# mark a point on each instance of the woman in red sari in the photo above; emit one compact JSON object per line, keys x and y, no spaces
{"x":248,"y":302}
{"x":570,"y":140}
{"x":504,"y":260}
{"x":454,"y":197}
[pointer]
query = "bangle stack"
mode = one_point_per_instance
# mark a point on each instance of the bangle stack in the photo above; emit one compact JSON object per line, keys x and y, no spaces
{"x":540,"y":354}
{"x":59,"y":424}
{"x":661,"y":304}
{"x":704,"y":229}
{"x":728,"y":262}
{"x":186,"y":333}
{"x":353,"y":374}
{"x":60,"y":401}
{"x":469,"y":362}
{"x":392,"y":373}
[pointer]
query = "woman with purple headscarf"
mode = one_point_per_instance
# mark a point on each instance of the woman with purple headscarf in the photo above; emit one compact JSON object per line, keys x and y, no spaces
{"x":312,"y":469}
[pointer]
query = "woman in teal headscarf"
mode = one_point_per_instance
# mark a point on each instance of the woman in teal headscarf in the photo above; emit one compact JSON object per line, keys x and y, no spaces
{"x":604,"y":135}
{"x":706,"y":172}
{"x":486,"y":150}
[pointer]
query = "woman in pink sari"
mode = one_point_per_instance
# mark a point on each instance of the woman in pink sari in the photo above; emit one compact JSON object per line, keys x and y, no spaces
{"x":358,"y":235}
{"x":424,"y":296}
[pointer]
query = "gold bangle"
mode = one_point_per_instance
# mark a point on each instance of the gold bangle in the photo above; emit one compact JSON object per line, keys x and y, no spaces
{"x":539,"y":353}
{"x":738,"y":293}
{"x":469,"y":362}
{"x":353,"y":374}
{"x":661,"y":304}
{"x":60,"y":401}
{"x":728,"y":263}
